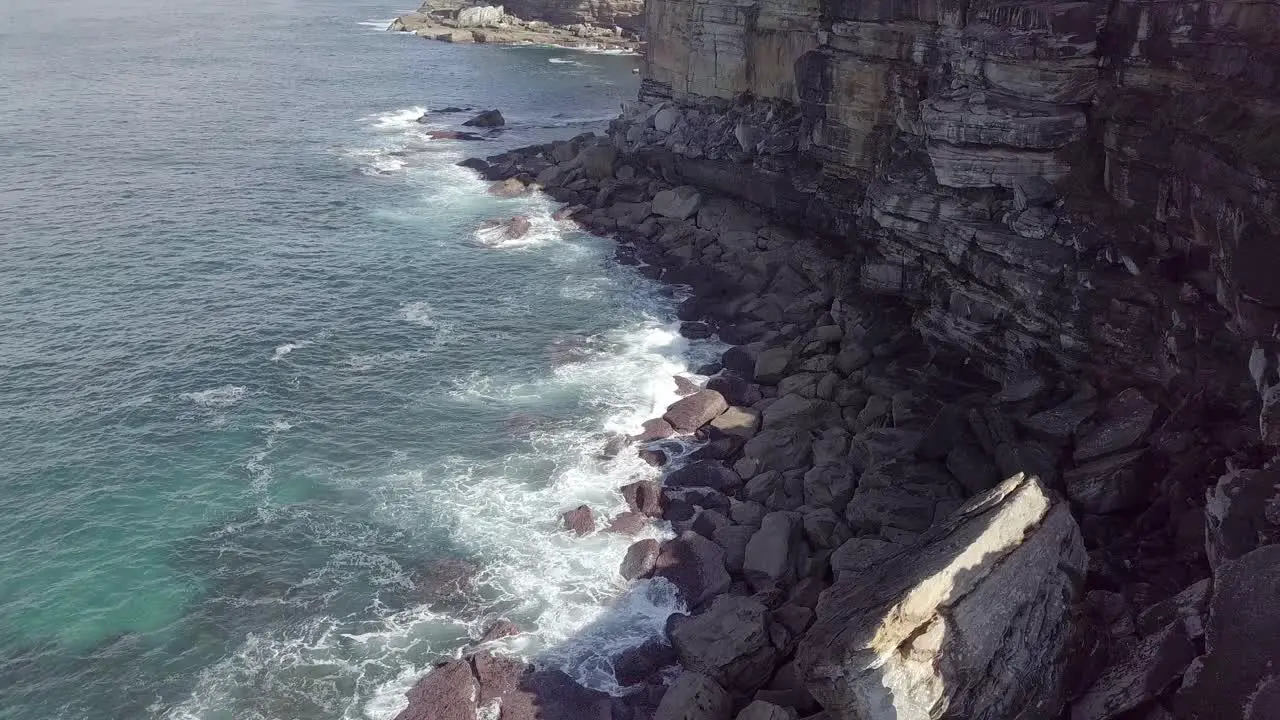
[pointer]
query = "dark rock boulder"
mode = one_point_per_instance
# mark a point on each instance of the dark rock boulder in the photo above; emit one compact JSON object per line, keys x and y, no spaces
{"x":655,"y":429}
{"x":1242,"y":513}
{"x":728,"y":643}
{"x":775,"y":551}
{"x":695,"y":565}
{"x":636,"y":665}
{"x":1126,"y":420}
{"x":545,"y":694}
{"x":704,"y":473}
{"x":694,"y":696}
{"x":487,"y":119}
{"x":1109,"y":484}
{"x":499,"y":630}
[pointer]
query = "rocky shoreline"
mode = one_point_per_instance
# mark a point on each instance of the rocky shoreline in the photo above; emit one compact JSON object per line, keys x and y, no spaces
{"x":872,"y":528}
{"x":494,"y":25}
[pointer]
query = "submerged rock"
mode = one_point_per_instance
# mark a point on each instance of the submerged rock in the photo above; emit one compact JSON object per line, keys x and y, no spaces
{"x":487,"y":119}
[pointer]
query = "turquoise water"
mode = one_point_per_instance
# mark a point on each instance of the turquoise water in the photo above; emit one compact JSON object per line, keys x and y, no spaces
{"x":261,"y":390}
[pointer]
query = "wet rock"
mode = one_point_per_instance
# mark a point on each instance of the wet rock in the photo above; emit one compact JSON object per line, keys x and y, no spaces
{"x":1107,"y":485}
{"x":1242,"y":640}
{"x":580,"y":521}
{"x":680,"y":203}
{"x":989,"y":587}
{"x":640,"y":560}
{"x":448,"y":692}
{"x":487,"y":119}
{"x":1242,"y":513}
{"x":628,"y":523}
{"x":695,"y":565}
{"x":508,"y":188}
{"x":685,"y":386}
{"x":446,"y":580}
{"x":635,"y":665}
{"x":614,"y":446}
{"x":644,"y":497}
{"x":653,"y":456}
{"x":775,"y":551}
{"x":499,"y":630}
{"x":695,"y":330}
{"x":704,"y":473}
{"x":692,"y":412}
{"x":728,"y":643}
{"x":1127,"y":419}
{"x":694,"y":696}
{"x":736,"y":390}
{"x":453,"y":135}
{"x":655,"y":429}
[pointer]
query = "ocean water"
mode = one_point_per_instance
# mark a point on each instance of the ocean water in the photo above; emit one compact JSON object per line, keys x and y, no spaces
{"x":265,"y":397}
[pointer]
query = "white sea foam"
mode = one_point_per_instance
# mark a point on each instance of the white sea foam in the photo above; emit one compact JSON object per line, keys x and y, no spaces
{"x":419,"y":313}
{"x":378,"y":24}
{"x":219,"y":397}
{"x":563,"y":61}
{"x":397,"y":120}
{"x":281,"y":350}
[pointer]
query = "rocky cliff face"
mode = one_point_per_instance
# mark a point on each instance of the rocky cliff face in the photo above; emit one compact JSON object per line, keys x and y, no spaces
{"x":627,"y":14}
{"x":930,"y":141}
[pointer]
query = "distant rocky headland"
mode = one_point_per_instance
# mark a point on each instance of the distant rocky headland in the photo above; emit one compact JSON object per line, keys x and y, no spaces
{"x":609,"y":26}
{"x":998,"y":434}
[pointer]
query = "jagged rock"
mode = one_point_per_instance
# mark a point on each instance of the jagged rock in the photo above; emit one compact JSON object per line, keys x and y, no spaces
{"x":695,"y":565}
{"x":635,"y":665}
{"x":679,"y":203}
{"x":775,"y":551}
{"x":499,"y":630}
{"x":1143,"y":674}
{"x":899,"y":495}
{"x":1109,"y":484}
{"x":1058,"y":424}
{"x":825,"y":530}
{"x":487,"y":119}
{"x":990,"y":587}
{"x":1188,"y":609}
{"x":1127,"y":419}
{"x":1242,"y":640}
{"x":580,"y":521}
{"x":1242,"y":513}
{"x":627,"y":523}
{"x":728,"y":643}
{"x":597,"y":161}
{"x":694,"y":696}
{"x":1036,"y":223}
{"x":690,"y":413}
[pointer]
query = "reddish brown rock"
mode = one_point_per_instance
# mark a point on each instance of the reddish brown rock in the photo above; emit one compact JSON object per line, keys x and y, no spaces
{"x":580,"y":521}
{"x":644,"y":497}
{"x":690,"y":413}
{"x":640,"y":560}
{"x":628,"y":523}
{"x":448,"y":692}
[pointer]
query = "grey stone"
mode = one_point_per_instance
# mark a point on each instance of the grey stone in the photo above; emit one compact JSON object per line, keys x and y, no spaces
{"x":1141,"y":675}
{"x":760,"y":710}
{"x":775,"y":551}
{"x":771,"y":365}
{"x":1036,"y":223}
{"x":694,"y":696}
{"x":734,"y":539}
{"x":728,"y":643}
{"x":679,"y":203}
{"x":859,"y":556}
{"x":972,"y":468}
{"x":1033,"y":191}
{"x":640,"y":560}
{"x":488,"y":118}
{"x":704,"y":473}
{"x":779,"y":449}
{"x":852,"y":357}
